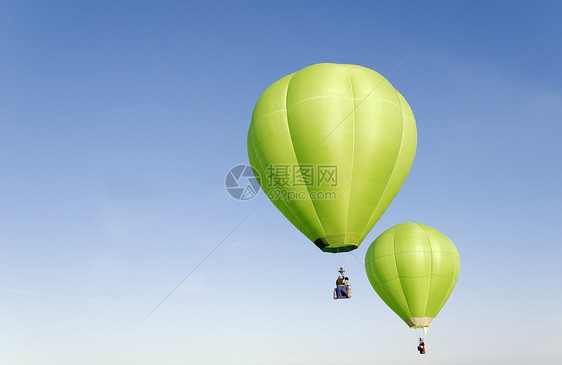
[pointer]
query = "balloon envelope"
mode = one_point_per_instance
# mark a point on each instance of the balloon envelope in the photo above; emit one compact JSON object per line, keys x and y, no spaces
{"x":413,"y":268}
{"x":332,"y":144}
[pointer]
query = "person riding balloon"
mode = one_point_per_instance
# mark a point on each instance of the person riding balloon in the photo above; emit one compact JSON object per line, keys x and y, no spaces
{"x":342,"y":290}
{"x":421,"y":347}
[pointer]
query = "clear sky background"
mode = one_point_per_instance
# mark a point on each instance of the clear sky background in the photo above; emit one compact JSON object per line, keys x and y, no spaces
{"x":112,"y":182}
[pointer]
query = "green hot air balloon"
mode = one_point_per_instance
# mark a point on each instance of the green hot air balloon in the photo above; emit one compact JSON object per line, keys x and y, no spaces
{"x":332,"y":144}
{"x":413,"y":268}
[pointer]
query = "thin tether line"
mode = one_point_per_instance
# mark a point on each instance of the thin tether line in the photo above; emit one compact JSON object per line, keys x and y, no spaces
{"x":359,"y":261}
{"x":199,"y":264}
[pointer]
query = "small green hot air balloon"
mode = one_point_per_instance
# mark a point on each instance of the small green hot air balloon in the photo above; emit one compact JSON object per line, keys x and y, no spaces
{"x":413,"y":268}
{"x":332,"y":144}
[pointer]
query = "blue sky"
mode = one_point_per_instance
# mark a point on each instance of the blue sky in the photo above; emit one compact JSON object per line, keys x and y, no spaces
{"x":112,"y":182}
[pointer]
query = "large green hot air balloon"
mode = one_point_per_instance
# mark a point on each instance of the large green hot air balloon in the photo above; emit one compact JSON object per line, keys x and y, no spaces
{"x":332,"y":144}
{"x":414,"y":269}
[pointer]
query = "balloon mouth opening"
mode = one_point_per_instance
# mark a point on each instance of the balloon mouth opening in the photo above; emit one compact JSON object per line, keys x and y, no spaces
{"x":345,"y":247}
{"x":336,"y":249}
{"x":418,"y":322}
{"x":338,"y":243}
